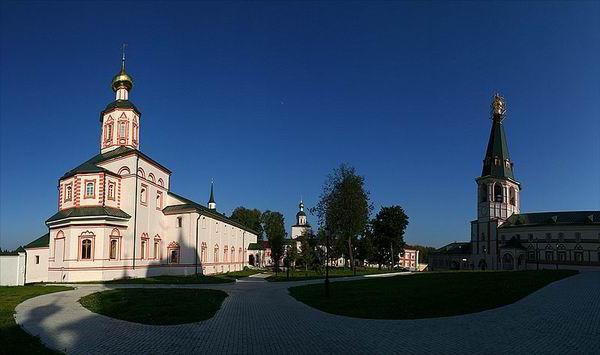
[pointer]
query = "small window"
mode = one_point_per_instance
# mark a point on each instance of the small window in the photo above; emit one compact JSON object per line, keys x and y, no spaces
{"x":37,"y":259}
{"x":156,"y":250}
{"x":122,"y":130}
{"x":68,"y":192}
{"x":549,"y":255}
{"x":86,"y":249}
{"x":143,"y":250}
{"x":90,"y":188}
{"x":562,"y":256}
{"x":111,"y":190}
{"x":174,"y":256}
{"x":578,"y":256}
{"x":179,"y":222}
{"x":113,"y":249}
{"x":159,"y":200}
{"x":144,"y":195}
{"x":531,"y":255}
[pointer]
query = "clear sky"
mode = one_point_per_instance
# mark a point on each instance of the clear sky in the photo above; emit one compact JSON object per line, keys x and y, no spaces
{"x":267,"y":98}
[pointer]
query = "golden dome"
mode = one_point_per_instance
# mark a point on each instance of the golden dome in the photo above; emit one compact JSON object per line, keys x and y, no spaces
{"x":122,"y":80}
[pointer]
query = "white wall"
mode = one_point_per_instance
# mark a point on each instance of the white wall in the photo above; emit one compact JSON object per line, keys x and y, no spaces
{"x":37,"y":265}
{"x":12,"y":270}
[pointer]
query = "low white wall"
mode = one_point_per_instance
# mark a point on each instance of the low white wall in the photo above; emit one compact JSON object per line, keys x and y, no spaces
{"x":12,"y":270}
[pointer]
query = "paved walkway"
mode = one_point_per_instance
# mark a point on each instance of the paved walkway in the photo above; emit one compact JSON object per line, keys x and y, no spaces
{"x":260,"y":317}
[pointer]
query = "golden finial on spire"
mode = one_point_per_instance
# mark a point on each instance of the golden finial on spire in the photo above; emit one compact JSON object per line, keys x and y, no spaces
{"x":498,"y":106}
{"x":122,"y":79}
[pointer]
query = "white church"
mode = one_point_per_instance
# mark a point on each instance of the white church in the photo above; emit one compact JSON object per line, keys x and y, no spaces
{"x":117,"y":216}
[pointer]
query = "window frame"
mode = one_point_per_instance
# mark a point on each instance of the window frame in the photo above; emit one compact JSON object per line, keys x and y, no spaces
{"x":87,"y":195}
{"x":144,"y":195}
{"x":109,"y":196}
{"x":68,"y":192}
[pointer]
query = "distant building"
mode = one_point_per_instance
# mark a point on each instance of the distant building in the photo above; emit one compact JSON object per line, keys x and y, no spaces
{"x":409,"y":259}
{"x":503,"y":238}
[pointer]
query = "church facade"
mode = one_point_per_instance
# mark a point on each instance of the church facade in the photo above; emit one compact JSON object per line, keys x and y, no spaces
{"x":503,"y":238}
{"x":118,"y":217}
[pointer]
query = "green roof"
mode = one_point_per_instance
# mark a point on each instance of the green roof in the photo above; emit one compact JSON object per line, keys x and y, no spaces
{"x":191,"y":206}
{"x":455,"y":248}
{"x":119,"y":104}
{"x":41,"y":242}
{"x":255,"y":246}
{"x":90,"y":166}
{"x":497,"y":149}
{"x":90,"y":211}
{"x":551,"y":218}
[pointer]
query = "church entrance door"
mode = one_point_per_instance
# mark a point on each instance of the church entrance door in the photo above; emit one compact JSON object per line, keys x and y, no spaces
{"x":508,"y":262}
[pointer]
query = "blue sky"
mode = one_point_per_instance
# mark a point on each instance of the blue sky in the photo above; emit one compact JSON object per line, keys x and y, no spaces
{"x":267,"y":98}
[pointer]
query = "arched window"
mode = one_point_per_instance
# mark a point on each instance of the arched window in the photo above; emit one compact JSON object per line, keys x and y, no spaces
{"x":90,"y":189}
{"x":225,"y":250}
{"x":232,"y":254}
{"x":151,"y":177}
{"x":497,"y":192}
{"x":86,"y":249}
{"x":512,"y":195}
{"x":111,"y":190}
{"x":216,"y":254}
{"x":161,"y":182}
{"x":143,"y":249}
{"x":240,"y":255}
{"x":124,"y":171}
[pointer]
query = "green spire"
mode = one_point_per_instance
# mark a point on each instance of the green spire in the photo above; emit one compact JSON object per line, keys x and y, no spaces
{"x":211,"y":200}
{"x":497,"y":161}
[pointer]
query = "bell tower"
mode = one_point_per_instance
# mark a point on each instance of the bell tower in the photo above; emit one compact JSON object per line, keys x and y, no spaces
{"x":498,"y":193}
{"x":120,"y":119}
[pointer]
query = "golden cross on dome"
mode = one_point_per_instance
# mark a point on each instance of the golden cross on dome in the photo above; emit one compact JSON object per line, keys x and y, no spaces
{"x":498,"y":106}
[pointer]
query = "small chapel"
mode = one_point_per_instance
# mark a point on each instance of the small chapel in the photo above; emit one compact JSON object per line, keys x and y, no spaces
{"x":118,"y":217}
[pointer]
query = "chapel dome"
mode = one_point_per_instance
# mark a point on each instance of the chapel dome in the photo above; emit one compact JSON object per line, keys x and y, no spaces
{"x":122,"y":79}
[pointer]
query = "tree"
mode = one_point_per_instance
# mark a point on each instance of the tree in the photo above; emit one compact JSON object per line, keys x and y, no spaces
{"x":388,"y":231}
{"x":309,"y":254}
{"x":343,"y":209}
{"x":365,"y":249}
{"x":250,"y":218}
{"x":274,"y":228}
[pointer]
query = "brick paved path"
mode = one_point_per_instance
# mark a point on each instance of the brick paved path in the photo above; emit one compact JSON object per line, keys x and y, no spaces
{"x":260,"y":317}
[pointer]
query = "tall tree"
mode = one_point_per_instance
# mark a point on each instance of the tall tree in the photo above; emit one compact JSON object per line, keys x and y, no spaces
{"x":365,"y":249}
{"x":343,"y":209}
{"x":274,"y":227}
{"x":388,"y":231}
{"x":249,"y":218}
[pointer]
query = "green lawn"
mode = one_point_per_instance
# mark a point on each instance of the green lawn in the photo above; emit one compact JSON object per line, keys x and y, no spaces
{"x":426,"y":295}
{"x":191,"y":279}
{"x":300,"y":275}
{"x":13,"y":339}
{"x":156,"y":306}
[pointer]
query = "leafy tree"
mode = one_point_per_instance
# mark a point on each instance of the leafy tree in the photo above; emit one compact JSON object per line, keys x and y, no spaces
{"x":388,"y":231}
{"x":274,"y":228}
{"x":343,"y":209}
{"x":365,"y":249}
{"x":310,"y":251}
{"x":251,"y":218}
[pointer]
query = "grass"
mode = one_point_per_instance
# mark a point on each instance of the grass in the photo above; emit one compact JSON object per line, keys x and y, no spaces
{"x":426,"y":295}
{"x":13,"y":339}
{"x":190,"y":279}
{"x":156,"y":306}
{"x":300,"y":275}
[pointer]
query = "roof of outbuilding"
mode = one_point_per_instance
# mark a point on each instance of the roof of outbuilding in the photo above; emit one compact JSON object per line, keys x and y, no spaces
{"x":88,"y":212}
{"x":552,"y":218}
{"x":41,"y":242}
{"x":191,"y":206}
{"x":455,"y":248}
